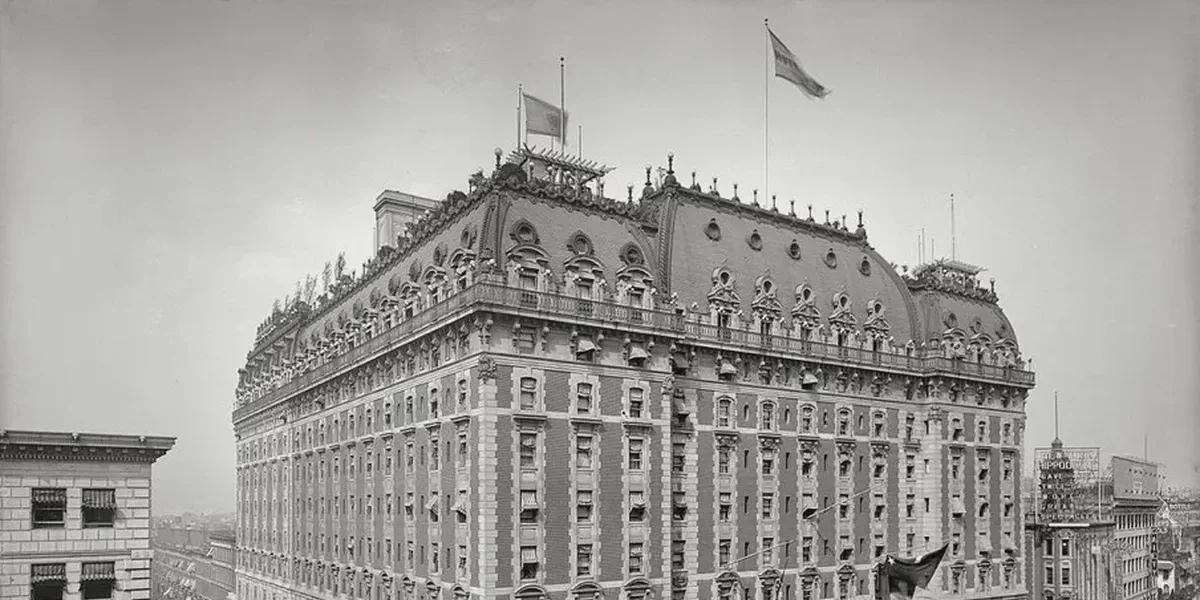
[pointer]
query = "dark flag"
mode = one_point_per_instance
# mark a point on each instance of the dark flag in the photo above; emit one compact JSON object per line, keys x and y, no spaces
{"x":899,"y":578}
{"x":787,"y":67}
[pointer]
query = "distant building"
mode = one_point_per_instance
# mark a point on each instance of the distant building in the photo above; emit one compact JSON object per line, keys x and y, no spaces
{"x":1135,"y":507}
{"x":194,"y":564}
{"x":1092,"y":534}
{"x":544,"y":393}
{"x":75,"y":521}
{"x":1164,"y":580}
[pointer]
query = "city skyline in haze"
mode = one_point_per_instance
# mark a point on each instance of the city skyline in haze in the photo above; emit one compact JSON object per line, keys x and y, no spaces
{"x":168,"y":170}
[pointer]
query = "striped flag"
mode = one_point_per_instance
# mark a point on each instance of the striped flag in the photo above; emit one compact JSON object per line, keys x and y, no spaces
{"x":787,"y":67}
{"x":544,"y":118}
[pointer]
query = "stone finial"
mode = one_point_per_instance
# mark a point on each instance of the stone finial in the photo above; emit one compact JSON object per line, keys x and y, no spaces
{"x":735,"y":196}
{"x":992,"y":283}
{"x":843,"y":222}
{"x":827,"y":216}
{"x":670,"y":162}
{"x":756,"y":197}
{"x":498,"y":152}
{"x":810,"y":212}
{"x":860,"y":222}
{"x":647,"y":174}
{"x":792,"y":207}
{"x":693,"y":178}
{"x":773,"y":206}
{"x":714,"y":187}
{"x":629,"y":188}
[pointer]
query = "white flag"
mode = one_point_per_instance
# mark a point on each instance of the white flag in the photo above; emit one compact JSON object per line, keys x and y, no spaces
{"x":544,"y":118}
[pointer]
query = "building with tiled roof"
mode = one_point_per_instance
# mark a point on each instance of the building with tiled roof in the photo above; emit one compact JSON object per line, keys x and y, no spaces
{"x":537,"y":391}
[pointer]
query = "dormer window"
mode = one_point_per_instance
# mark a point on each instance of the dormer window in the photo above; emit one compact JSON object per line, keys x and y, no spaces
{"x":585,"y":349}
{"x":637,"y":355}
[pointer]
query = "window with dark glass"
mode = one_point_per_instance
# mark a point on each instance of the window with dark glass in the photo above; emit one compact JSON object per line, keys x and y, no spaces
{"x":99,"y":507}
{"x":49,"y":507}
{"x":49,"y":581}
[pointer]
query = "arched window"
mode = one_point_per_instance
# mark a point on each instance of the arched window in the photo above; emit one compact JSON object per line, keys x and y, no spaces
{"x":768,"y":416}
{"x":806,"y":418}
{"x":724,"y":410}
{"x":843,"y":421}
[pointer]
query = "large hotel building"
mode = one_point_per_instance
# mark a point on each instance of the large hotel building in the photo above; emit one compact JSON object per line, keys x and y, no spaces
{"x":533,"y":391}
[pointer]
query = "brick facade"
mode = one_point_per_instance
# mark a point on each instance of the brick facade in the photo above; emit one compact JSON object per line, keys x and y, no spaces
{"x":620,"y":444}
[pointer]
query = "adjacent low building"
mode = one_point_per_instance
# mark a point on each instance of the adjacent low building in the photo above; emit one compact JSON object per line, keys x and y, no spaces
{"x":75,"y":516}
{"x":194,"y":564}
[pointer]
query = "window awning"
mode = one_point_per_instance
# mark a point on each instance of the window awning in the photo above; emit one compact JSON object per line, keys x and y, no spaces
{"x":809,"y":379}
{"x":49,"y":496}
{"x":585,"y":345}
{"x":681,"y":359}
{"x":956,"y":506}
{"x":727,"y":368}
{"x":529,"y":500}
{"x":584,"y":497}
{"x":99,"y":499}
{"x":638,"y":353}
{"x":462,"y":504}
{"x":98,"y":571}
{"x":56,"y":573}
{"x":432,"y":504}
{"x":637,"y":499}
{"x":529,"y":555}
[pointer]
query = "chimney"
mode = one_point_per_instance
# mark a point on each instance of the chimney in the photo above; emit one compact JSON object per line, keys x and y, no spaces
{"x":393,"y":211}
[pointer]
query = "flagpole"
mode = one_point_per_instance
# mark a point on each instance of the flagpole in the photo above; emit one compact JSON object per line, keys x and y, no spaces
{"x":562,"y":100}
{"x":766,"y":116}
{"x":519,"y":95}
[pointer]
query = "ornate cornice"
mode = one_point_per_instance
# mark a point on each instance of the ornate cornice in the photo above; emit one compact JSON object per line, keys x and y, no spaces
{"x":76,"y":453}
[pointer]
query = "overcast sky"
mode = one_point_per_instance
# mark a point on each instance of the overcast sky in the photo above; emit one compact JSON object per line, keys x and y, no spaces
{"x":168,"y":169}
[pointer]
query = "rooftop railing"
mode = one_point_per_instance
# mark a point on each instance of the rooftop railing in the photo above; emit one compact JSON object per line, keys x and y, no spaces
{"x":493,"y":293}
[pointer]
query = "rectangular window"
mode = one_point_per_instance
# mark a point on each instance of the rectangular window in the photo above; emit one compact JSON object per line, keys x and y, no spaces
{"x":583,"y":451}
{"x":726,"y":506}
{"x":583,"y":506}
{"x":636,"y":403}
{"x":768,"y":505}
{"x":49,"y":507}
{"x":528,"y":394}
{"x":99,"y":507}
{"x":583,"y":560}
{"x":49,"y":581}
{"x":723,"y":551}
{"x":463,"y":452}
{"x":583,"y":399}
{"x":529,"y":562}
{"x":1066,"y":549}
{"x":806,"y":549}
{"x":635,"y":454}
{"x":462,"y":561}
{"x":723,"y":460}
{"x":637,"y":506}
{"x":768,"y":550}
{"x":678,"y":457}
{"x":529,"y":506}
{"x":768,"y":462}
{"x":528,"y":450}
{"x":677,"y":555}
{"x":635,"y":557}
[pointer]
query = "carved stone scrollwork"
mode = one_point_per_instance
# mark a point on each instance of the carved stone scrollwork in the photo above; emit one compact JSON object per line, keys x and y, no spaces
{"x":880,"y":449}
{"x":808,"y":449}
{"x":845,"y":450}
{"x":487,"y":368}
{"x":936,"y":413}
{"x":668,"y":387}
{"x":679,"y":579}
{"x":769,"y":443}
{"x":727,"y":441}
